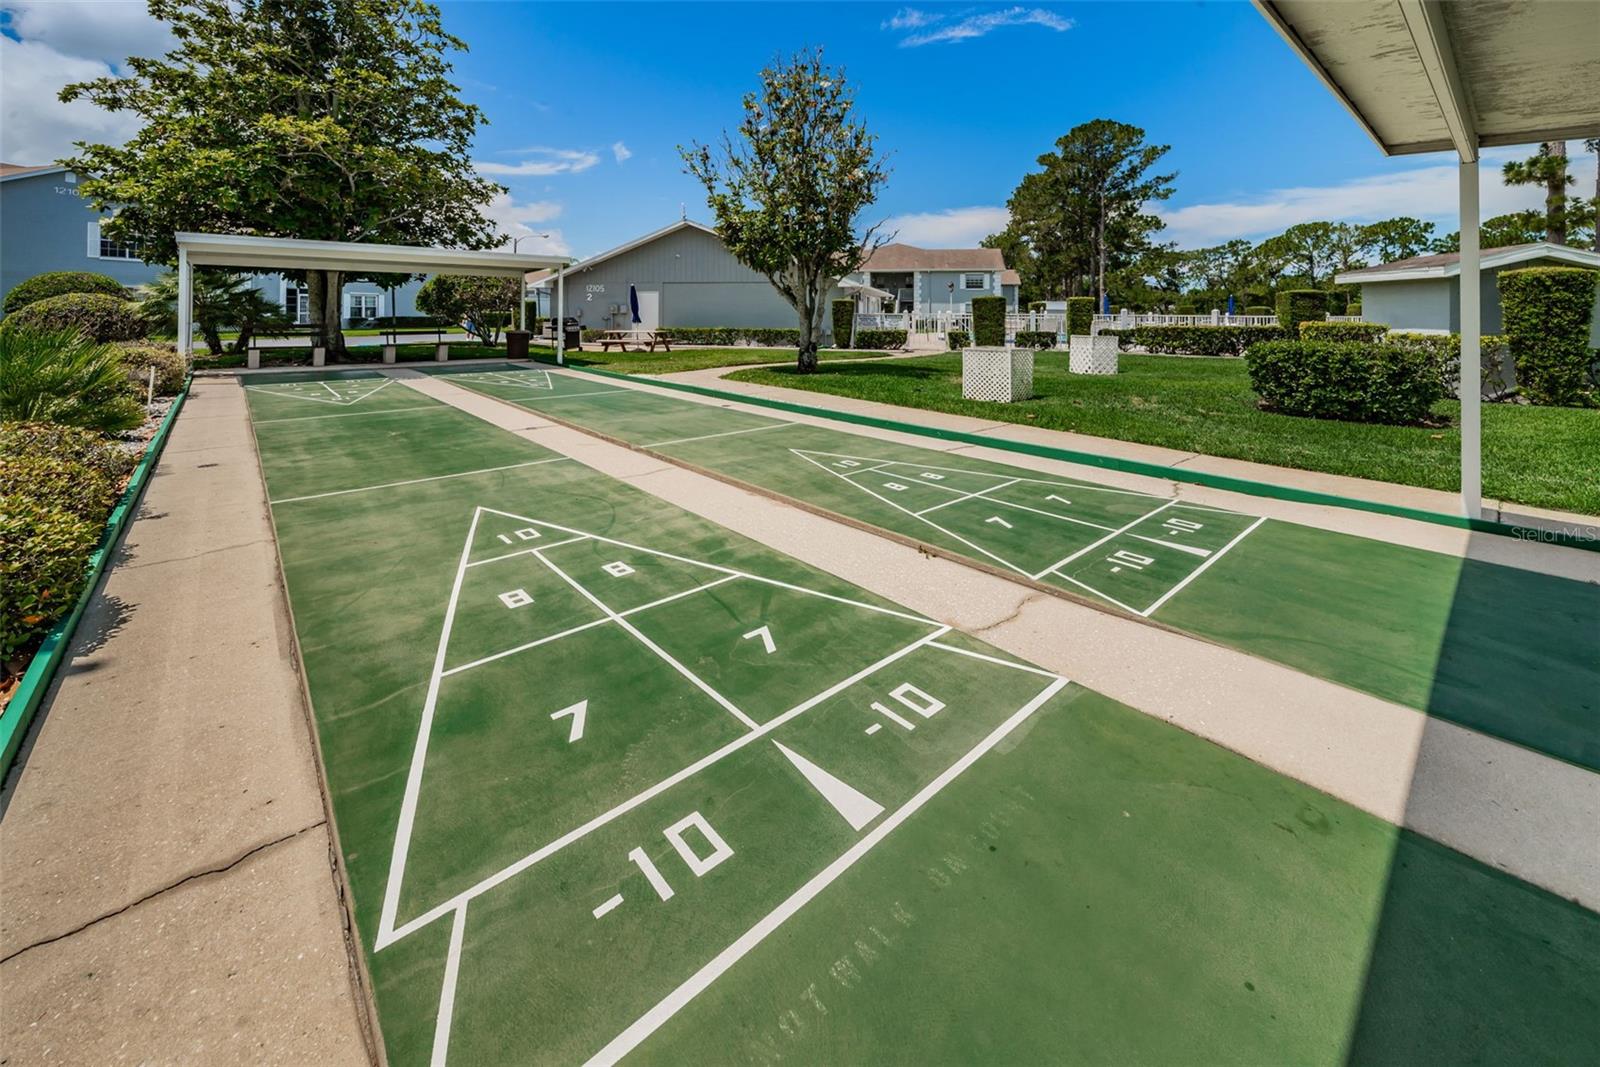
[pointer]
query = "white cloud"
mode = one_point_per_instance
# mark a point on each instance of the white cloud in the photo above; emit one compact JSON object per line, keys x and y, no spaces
{"x":974,"y":26}
{"x":525,"y":218}
{"x":621,"y":152}
{"x":110,"y":30}
{"x":543,"y":161}
{"x":958,"y":227}
{"x":909,"y":18}
{"x":37,"y":128}
{"x":1427,"y":193}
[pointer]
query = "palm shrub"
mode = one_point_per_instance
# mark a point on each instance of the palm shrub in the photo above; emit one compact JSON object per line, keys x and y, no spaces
{"x":57,"y":282}
{"x":989,"y":321}
{"x":221,"y":301}
{"x":98,"y":316}
{"x":1546,"y":313}
{"x":842,"y":314}
{"x":62,"y":376}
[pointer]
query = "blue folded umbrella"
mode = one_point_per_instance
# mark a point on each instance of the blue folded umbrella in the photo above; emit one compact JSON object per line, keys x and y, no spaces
{"x":633,"y":304}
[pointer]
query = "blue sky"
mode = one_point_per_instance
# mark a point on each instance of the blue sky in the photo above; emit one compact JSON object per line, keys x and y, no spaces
{"x":588,"y":102}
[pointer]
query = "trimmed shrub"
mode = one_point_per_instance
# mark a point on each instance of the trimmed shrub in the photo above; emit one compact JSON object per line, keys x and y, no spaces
{"x":1124,"y":337}
{"x":58,"y":282}
{"x":1080,"y":315}
{"x":1197,"y":340}
{"x":1546,"y":311}
{"x":1347,"y":380}
{"x":1035,"y":339}
{"x":1300,"y":305}
{"x":44,"y":553}
{"x":138,"y":357}
{"x":728,"y":336}
{"x":842,"y":314}
{"x":98,"y":316}
{"x":1036,"y":306}
{"x":957,"y":340}
{"x":1258,"y":309}
{"x":871,"y":339}
{"x":63,"y":377}
{"x":1184,"y":309}
{"x":1342,"y":331}
{"x":1446,"y":349}
{"x":1353,"y":308}
{"x":989,"y":321}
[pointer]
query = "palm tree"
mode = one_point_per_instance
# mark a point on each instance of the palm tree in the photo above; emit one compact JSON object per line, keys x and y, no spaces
{"x":221,"y":301}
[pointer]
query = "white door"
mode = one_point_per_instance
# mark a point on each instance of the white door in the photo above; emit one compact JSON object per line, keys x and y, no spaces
{"x":649,"y":308}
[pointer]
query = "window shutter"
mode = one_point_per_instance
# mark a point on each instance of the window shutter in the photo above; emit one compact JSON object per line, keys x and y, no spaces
{"x":93,"y":251}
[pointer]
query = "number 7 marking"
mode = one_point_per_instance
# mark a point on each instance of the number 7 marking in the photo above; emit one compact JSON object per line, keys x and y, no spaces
{"x":579,"y":713}
{"x":765,"y":633}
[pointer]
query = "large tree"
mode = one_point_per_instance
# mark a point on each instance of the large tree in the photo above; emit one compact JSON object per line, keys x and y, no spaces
{"x":1549,"y":169}
{"x":787,"y":195}
{"x":1397,"y":238}
{"x":323,"y":119}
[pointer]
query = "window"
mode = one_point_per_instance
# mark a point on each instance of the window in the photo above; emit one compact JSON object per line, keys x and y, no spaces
{"x":296,"y":304}
{"x":974,"y":281}
{"x":363,"y":306}
{"x":103,"y":247}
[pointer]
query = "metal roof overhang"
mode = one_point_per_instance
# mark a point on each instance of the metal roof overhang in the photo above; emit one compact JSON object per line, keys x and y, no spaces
{"x":1426,"y":76}
{"x":282,"y":253}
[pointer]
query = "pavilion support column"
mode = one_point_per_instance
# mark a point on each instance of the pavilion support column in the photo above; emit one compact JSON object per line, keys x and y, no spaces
{"x":561,"y":315}
{"x":1471,"y":348}
{"x":185,"y":307}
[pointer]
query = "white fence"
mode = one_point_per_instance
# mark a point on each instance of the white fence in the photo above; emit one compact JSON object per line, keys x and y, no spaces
{"x":1128,"y":319}
{"x":883,"y":320}
{"x":942,"y":322}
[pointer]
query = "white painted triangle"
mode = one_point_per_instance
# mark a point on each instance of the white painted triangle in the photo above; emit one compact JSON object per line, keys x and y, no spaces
{"x":857,"y":808}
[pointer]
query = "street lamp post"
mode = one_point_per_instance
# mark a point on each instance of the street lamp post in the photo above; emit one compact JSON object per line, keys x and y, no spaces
{"x":522,"y":309}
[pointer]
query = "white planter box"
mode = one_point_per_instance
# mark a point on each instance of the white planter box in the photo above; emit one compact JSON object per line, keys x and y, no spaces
{"x":1092,"y":355}
{"x":998,"y":374}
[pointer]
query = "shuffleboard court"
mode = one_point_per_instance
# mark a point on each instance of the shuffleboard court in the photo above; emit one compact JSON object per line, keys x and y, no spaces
{"x":611,"y":782}
{"x":1510,"y":652}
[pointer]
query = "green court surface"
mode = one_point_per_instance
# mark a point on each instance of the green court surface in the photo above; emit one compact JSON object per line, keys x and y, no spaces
{"x":610,"y":781}
{"x":1509,"y":652}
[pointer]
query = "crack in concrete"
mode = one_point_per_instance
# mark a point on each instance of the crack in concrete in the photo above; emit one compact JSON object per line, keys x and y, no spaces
{"x":193,"y":556}
{"x":185,"y":880}
{"x":1016,"y":612}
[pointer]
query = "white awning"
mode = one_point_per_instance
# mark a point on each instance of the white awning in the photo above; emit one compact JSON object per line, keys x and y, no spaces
{"x":1426,"y":76}
{"x":863,"y":289}
{"x":284,"y":253}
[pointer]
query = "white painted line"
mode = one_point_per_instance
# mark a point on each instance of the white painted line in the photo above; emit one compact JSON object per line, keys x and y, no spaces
{"x":526,"y":551}
{"x":420,"y":410}
{"x":418,"y":481}
{"x":287,"y":389}
{"x":967,"y":470}
{"x":1191,"y":549}
{"x":332,"y":390}
{"x":967,"y":496}
{"x":567,"y":396}
{"x":673,"y":1002}
{"x":608,"y":906}
{"x":1103,"y":596}
{"x":725,"y":433}
{"x":1030,"y":668}
{"x":1096,"y":544}
{"x":447,"y":991}
{"x":1168,"y":595}
{"x":524,"y":647}
{"x":580,"y":832}
{"x":854,"y":806}
{"x":694,"y":679}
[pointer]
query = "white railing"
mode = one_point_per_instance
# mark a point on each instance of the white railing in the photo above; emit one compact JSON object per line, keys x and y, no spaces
{"x":883,"y":320}
{"x":1346,"y":318}
{"x":1128,"y":319}
{"x":942,"y":322}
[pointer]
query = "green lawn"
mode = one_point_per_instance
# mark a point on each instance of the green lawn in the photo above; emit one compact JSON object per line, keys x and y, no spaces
{"x":1544,"y":457}
{"x":693,"y":358}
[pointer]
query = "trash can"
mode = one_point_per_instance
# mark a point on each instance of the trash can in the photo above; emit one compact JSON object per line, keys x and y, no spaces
{"x":574,"y":335}
{"x":517,"y":344}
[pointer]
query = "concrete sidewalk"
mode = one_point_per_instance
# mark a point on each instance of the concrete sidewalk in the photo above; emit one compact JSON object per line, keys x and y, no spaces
{"x":167,"y":881}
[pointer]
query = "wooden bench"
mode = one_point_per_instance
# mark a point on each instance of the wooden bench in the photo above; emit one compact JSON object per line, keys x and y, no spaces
{"x":644,"y":340}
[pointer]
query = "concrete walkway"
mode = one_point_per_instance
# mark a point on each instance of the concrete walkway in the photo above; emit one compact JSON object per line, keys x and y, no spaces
{"x":1341,"y":485}
{"x":1505,"y":805}
{"x":167,"y":882}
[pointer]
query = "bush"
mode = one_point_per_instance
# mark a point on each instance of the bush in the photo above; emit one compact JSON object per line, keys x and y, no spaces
{"x":1198,"y":340}
{"x":61,"y":484}
{"x":1343,"y":331}
{"x":1080,"y":315}
{"x":95,"y":315}
{"x":482,"y":305}
{"x":1347,"y":380}
{"x":63,"y":377}
{"x":1546,"y":311}
{"x":989,"y":321}
{"x":870,"y":339}
{"x":1353,"y":308}
{"x":727,"y":336}
{"x":1258,"y":309}
{"x":138,"y":357}
{"x":58,"y":282}
{"x":958,"y":339}
{"x":1036,"y":306}
{"x":1124,"y":337}
{"x":51,"y":440}
{"x":44,"y":554}
{"x":842,"y":315}
{"x":1445,"y":348}
{"x":1300,"y":305}
{"x":1035,"y":339}
{"x":1184,"y":309}
{"x":414,"y":322}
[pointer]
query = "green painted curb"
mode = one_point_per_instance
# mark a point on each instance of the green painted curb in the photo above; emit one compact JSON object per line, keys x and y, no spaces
{"x":1130,"y":466}
{"x":42,"y":668}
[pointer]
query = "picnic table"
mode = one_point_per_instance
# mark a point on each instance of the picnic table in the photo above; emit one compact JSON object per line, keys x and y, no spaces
{"x":646,"y":340}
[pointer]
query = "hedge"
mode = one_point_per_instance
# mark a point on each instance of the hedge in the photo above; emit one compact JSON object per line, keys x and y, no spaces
{"x":412,"y":322}
{"x":1080,"y":315}
{"x":1300,"y":305}
{"x":989,"y":321}
{"x":1343,"y":331}
{"x":1352,"y":381}
{"x":870,"y":339}
{"x":57,"y":282}
{"x":1258,"y":309}
{"x":1446,"y":349}
{"x":1353,"y":308}
{"x":958,"y":339}
{"x":97,"y":316}
{"x":138,"y":357}
{"x":1184,"y":309}
{"x":727,"y":336}
{"x":1197,"y":340}
{"x":1546,"y":313}
{"x":841,"y":315}
{"x":1035,"y":339}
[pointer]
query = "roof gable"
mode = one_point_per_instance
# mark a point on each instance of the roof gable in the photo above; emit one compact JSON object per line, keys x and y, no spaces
{"x":1448,"y":264}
